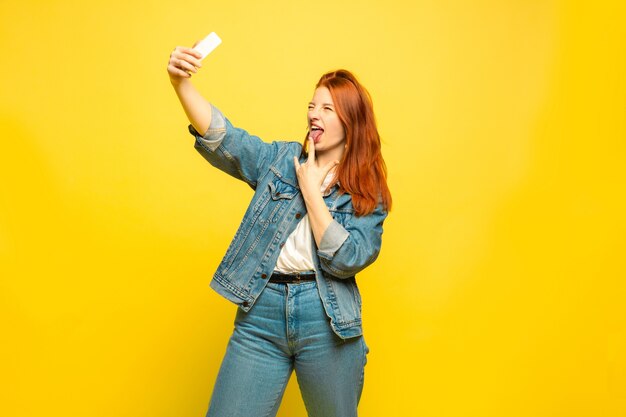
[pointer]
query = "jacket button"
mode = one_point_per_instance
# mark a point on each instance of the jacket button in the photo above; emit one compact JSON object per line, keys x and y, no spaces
{"x":298,"y":215}
{"x":263,"y":276}
{"x":245,"y":304}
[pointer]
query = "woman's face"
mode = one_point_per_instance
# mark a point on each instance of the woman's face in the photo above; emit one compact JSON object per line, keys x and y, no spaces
{"x":325,"y":128}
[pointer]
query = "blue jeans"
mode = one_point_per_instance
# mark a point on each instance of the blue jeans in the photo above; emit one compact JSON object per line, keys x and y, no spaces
{"x":286,"y":329}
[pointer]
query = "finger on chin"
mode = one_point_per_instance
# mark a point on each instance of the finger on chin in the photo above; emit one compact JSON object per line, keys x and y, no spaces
{"x":311,"y":149}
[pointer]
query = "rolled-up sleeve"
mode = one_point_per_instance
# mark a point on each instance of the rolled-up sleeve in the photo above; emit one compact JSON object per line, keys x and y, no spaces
{"x":333,"y":238}
{"x":215,"y":133}
{"x":233,"y":150}
{"x":346,"y":250}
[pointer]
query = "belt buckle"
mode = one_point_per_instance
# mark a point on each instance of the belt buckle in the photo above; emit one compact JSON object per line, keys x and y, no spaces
{"x":298,"y":276}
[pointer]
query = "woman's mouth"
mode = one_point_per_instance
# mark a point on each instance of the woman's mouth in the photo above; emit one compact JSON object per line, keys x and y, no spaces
{"x":315,"y":133}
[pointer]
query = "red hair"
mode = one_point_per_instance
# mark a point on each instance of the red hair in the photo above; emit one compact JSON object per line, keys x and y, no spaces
{"x":361,"y":171}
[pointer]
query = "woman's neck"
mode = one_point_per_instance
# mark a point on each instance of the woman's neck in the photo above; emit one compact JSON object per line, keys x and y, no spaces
{"x":323,"y":158}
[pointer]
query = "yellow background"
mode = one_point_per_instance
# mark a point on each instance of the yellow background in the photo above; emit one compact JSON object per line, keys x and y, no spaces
{"x":500,"y":288}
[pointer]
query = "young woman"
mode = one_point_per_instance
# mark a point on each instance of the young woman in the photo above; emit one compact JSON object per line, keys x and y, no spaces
{"x":315,"y":220}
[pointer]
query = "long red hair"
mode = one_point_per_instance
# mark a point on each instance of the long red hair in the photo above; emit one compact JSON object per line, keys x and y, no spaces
{"x":361,"y":171}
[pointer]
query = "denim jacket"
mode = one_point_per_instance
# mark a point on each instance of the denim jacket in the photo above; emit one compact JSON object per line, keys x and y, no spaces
{"x":349,"y":244}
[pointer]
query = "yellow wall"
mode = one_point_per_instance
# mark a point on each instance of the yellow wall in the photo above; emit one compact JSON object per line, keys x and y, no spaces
{"x":500,"y":289}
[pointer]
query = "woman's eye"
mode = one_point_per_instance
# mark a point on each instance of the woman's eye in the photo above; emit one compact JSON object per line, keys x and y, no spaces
{"x":328,"y":108}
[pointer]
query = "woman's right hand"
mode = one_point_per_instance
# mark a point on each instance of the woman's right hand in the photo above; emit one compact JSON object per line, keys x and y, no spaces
{"x":183,"y":61}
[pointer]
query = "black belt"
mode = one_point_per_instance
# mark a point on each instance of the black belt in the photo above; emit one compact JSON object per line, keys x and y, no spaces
{"x":292,"y":278}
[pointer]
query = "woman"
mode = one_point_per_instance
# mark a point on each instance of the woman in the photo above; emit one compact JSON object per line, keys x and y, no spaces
{"x":315,"y":221}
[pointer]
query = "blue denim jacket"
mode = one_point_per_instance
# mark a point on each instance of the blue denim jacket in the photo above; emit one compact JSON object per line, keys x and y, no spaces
{"x":349,"y":244}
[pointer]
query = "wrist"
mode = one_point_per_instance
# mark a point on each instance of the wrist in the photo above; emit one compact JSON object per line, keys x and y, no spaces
{"x":311,"y":195}
{"x":179,"y":82}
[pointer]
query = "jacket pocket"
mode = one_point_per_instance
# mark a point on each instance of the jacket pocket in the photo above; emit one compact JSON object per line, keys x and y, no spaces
{"x":281,"y":195}
{"x":346,"y":292}
{"x":280,"y":190}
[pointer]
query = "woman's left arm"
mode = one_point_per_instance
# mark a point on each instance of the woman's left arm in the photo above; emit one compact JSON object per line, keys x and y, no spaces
{"x":346,"y":250}
{"x":343,"y":251}
{"x":311,"y":175}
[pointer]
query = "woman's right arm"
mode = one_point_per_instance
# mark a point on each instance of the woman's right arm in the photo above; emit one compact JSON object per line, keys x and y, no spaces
{"x":230,"y":149}
{"x":183,"y":62}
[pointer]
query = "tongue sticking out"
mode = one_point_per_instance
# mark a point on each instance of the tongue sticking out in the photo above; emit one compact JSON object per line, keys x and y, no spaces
{"x":315,"y":134}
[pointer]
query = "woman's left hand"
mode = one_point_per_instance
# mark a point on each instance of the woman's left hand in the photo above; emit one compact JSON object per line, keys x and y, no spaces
{"x":310,"y":174}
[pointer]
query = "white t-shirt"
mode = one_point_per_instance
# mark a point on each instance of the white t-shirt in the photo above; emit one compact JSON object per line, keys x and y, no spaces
{"x":297,"y":255}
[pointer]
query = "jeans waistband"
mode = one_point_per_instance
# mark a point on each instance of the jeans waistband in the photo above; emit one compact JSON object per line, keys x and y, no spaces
{"x":295,"y":277}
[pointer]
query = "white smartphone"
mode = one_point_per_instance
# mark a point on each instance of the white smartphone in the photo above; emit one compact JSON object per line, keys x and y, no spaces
{"x":208,"y":44}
